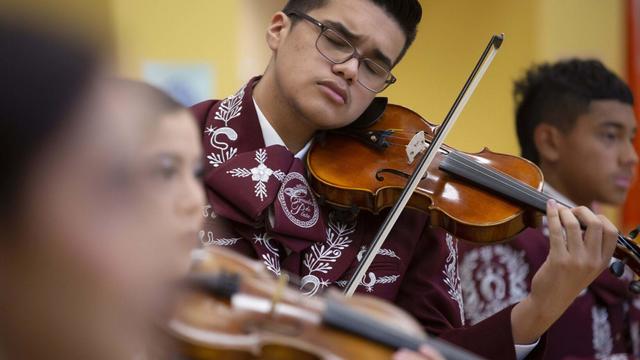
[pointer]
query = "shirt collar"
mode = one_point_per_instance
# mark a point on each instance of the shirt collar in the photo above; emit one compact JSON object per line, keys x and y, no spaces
{"x":271,"y":137}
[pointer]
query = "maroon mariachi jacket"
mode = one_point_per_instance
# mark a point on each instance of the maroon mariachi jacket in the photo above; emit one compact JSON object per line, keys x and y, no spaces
{"x":602,"y":323}
{"x":259,"y":205}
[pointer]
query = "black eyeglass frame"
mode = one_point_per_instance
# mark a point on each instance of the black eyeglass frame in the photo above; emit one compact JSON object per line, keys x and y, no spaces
{"x":390,"y":78}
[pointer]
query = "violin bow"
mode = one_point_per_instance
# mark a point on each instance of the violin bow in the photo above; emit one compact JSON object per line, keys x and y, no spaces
{"x":467,"y":90}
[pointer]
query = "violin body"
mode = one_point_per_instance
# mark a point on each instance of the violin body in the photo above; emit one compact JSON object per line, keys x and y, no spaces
{"x":210,"y":327}
{"x":348,"y":173}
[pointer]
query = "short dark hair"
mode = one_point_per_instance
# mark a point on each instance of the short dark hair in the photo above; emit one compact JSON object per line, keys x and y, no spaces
{"x":44,"y":78}
{"x":407,"y":13}
{"x":559,"y":93}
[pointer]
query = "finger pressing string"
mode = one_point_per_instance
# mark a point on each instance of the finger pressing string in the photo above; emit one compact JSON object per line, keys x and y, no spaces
{"x":573,"y":232}
{"x":556,"y":238}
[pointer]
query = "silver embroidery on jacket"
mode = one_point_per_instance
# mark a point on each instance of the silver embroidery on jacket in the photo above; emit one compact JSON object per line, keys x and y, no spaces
{"x":260,"y":174}
{"x":602,"y":341}
{"x":213,"y":241}
{"x":207,"y":211}
{"x":229,"y":109}
{"x":451,"y":276}
{"x":371,"y":279}
{"x":297,"y":202}
{"x":319,"y":258}
{"x":272,"y":259}
{"x":493,"y":277}
{"x":382,"y":252}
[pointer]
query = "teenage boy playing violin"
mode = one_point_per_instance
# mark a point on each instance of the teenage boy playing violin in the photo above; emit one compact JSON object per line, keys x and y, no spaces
{"x":329,"y":60}
{"x":575,"y":120}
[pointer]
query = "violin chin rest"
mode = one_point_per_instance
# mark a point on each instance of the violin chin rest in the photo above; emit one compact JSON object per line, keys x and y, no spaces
{"x":371,"y":115}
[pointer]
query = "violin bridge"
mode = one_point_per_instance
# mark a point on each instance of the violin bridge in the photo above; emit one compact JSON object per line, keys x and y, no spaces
{"x":417,"y":145}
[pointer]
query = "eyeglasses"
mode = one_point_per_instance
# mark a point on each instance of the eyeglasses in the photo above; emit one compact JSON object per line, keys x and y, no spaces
{"x":335,"y":48}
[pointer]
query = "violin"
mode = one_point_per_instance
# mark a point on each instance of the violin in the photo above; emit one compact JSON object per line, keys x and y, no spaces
{"x":484,"y":197}
{"x":233,"y":308}
{"x":453,"y":202}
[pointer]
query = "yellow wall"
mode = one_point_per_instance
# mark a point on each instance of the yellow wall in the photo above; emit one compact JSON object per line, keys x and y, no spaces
{"x":194,"y":31}
{"x":453,"y":34}
{"x":229,"y":36}
{"x":587,"y":28}
{"x":253,"y":52}
{"x":226,"y":34}
{"x":89,"y":18}
{"x":451,"y":38}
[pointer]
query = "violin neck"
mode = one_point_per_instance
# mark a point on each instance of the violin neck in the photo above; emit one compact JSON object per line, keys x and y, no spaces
{"x":467,"y":168}
{"x":342,"y":317}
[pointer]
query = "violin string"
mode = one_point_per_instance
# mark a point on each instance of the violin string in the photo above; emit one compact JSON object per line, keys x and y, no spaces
{"x":399,"y":137}
{"x":498,"y":178}
{"x":393,"y":143}
{"x":404,"y":143}
{"x":522,"y":188}
{"x":402,"y":131}
{"x":441,"y":150}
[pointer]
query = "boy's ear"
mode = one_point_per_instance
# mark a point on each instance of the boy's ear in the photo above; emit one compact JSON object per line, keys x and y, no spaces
{"x":547,"y":139}
{"x":278,"y":30}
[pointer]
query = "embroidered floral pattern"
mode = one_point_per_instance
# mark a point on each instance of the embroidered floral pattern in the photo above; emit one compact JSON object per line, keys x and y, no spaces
{"x":207,"y":211}
{"x":319,"y":258}
{"x":297,"y":202}
{"x":371,"y":281}
{"x":382,"y":252}
{"x":229,"y":109}
{"x":602,"y":341}
{"x":451,"y":276}
{"x":260,"y":174}
{"x":272,"y":259}
{"x":211,"y":241}
{"x":493,"y":277}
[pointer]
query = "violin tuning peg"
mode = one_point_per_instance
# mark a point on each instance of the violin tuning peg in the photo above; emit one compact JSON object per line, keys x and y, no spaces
{"x":634,"y":287}
{"x":617,"y":268}
{"x":634,"y":233}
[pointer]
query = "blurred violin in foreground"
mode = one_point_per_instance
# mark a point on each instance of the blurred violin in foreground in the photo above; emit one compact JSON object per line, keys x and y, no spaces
{"x":235,"y":309}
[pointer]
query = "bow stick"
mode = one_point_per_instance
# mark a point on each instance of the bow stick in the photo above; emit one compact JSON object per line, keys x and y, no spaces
{"x":467,"y":90}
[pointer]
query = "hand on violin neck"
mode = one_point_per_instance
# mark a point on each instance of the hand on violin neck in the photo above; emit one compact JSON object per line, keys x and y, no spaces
{"x":576,"y":258}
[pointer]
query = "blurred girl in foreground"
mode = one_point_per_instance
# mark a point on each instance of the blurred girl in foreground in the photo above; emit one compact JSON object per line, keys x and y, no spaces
{"x":86,"y":258}
{"x":171,"y":160}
